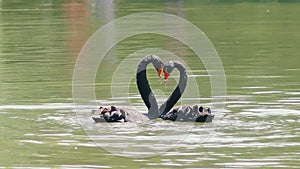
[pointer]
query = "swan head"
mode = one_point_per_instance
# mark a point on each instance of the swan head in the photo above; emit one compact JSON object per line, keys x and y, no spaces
{"x":158,"y":64}
{"x":168,"y":68}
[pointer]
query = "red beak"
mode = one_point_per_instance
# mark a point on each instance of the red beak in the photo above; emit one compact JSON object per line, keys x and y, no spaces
{"x":159,"y":71}
{"x":166,"y":74}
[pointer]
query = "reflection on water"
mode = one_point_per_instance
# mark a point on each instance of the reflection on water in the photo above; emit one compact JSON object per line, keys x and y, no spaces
{"x":257,"y":42}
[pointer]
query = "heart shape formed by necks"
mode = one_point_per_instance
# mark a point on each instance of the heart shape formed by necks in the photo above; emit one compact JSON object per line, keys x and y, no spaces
{"x":145,"y":90}
{"x":149,"y":98}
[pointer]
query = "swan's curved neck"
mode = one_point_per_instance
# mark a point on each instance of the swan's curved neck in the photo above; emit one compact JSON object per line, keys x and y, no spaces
{"x":177,"y":93}
{"x":183,"y":75}
{"x":144,"y":87}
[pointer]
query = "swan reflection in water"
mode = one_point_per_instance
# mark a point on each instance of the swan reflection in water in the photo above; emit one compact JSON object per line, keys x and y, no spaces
{"x":165,"y":112}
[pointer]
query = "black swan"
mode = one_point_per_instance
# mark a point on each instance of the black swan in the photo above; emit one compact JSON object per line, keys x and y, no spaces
{"x":165,"y":112}
{"x":181,"y":113}
{"x":113,"y":114}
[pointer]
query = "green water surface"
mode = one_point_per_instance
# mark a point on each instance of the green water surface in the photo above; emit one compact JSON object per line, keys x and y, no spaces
{"x":258,"y":44}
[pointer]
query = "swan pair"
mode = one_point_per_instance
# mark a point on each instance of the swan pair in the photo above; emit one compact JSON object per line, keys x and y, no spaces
{"x":165,"y":111}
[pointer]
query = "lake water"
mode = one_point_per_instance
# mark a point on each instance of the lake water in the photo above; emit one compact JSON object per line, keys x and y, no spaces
{"x":257,"y":42}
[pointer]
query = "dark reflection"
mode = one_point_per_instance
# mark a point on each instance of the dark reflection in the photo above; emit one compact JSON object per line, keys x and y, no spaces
{"x":176,"y":7}
{"x":105,"y":12}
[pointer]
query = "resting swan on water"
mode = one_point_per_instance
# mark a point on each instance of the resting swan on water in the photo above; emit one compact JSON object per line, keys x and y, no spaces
{"x":165,"y":112}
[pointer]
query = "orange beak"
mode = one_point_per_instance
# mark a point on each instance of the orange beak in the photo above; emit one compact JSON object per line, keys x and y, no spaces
{"x":166,"y":74}
{"x":159,"y":71}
